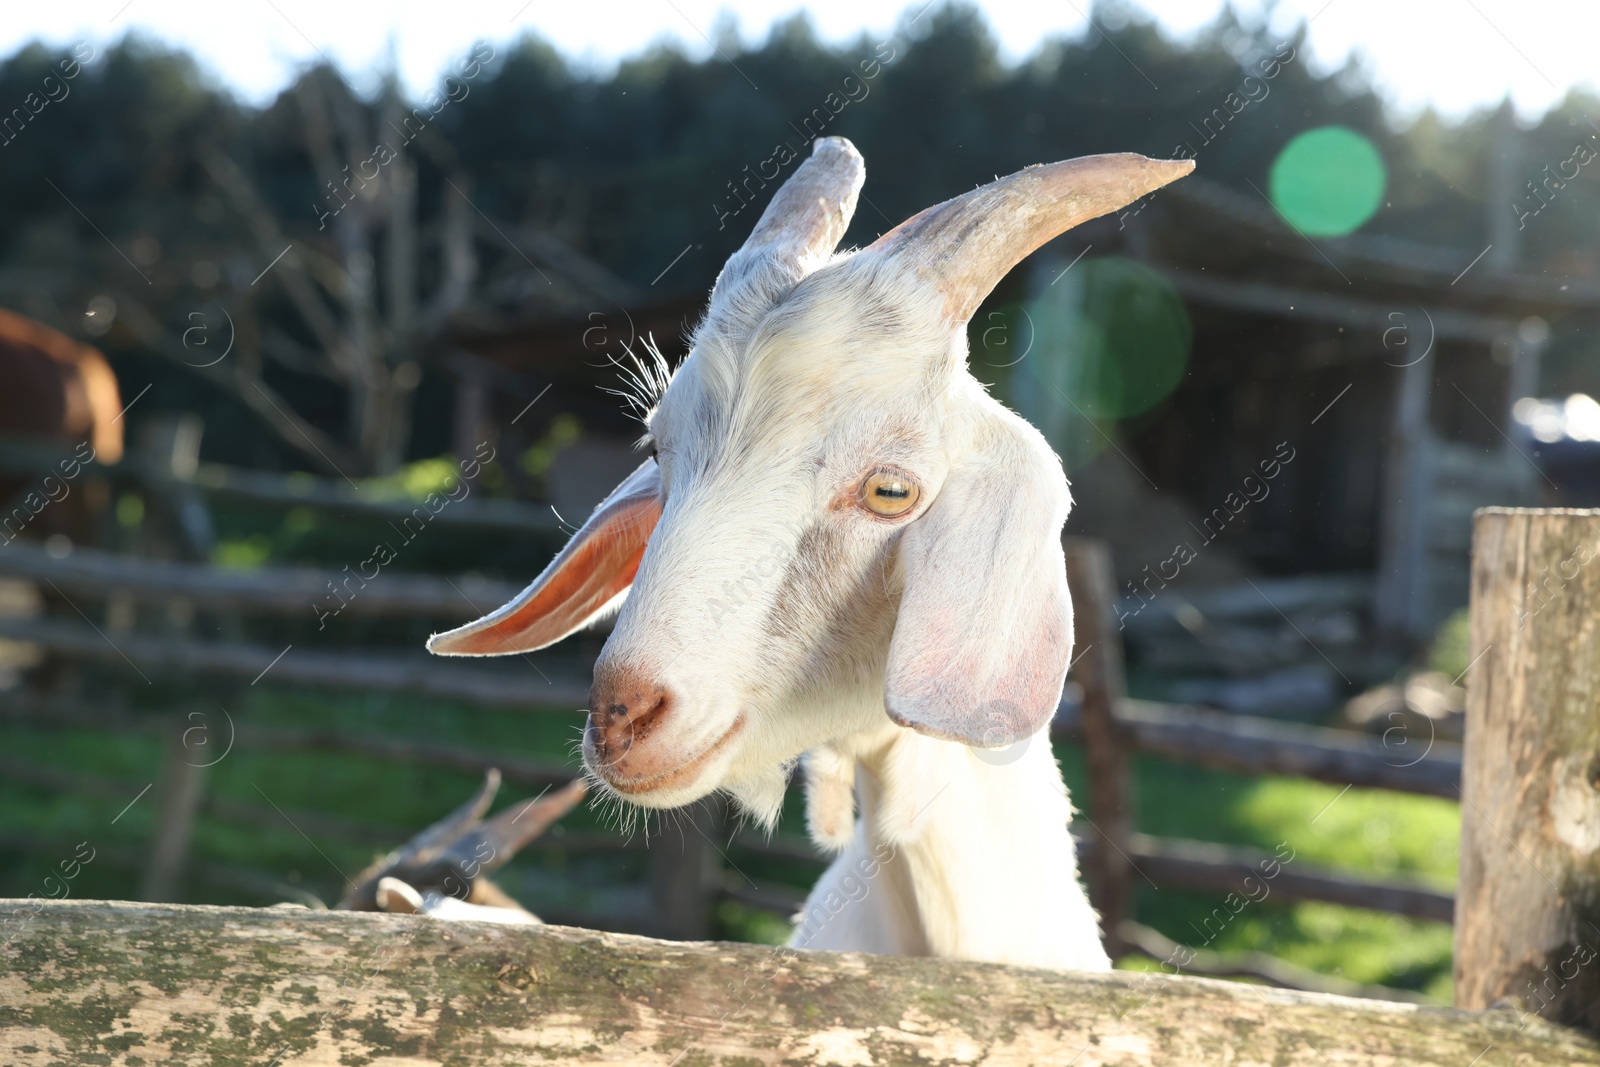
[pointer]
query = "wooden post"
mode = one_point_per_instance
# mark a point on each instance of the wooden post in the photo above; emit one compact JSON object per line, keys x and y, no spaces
{"x":470,"y":426}
{"x":1097,"y":650}
{"x":1528,"y":906}
{"x":1402,"y":605}
{"x":170,"y":445}
{"x":684,"y":870}
{"x":178,"y":799}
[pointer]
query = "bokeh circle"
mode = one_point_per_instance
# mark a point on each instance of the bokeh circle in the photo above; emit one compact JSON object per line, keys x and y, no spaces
{"x":1327,"y":182}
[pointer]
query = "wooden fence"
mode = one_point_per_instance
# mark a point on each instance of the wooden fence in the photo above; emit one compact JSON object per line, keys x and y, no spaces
{"x":1531,"y":789}
{"x":687,"y":875}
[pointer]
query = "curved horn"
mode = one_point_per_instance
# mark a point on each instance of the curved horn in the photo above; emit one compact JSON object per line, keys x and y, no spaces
{"x":967,"y":244}
{"x":807,"y":216}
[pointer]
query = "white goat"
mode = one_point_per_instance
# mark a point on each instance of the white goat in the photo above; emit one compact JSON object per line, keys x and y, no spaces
{"x":843,"y":547}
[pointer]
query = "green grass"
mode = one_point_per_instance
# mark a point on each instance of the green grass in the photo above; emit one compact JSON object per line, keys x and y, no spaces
{"x":1357,"y":830}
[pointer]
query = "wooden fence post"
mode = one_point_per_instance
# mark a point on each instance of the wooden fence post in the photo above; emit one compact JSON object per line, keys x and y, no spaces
{"x":1097,"y":649}
{"x":179,"y":794}
{"x":685,"y":868}
{"x":1527,"y":921}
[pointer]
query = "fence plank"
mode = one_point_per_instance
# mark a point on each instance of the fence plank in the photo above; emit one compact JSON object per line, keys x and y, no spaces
{"x":90,"y":982}
{"x":517,"y":685}
{"x":1179,"y":733}
{"x":1223,"y":869}
{"x":284,"y":491}
{"x":284,"y":590}
{"x":1250,"y":745}
{"x":1529,"y":911}
{"x":1177,"y":863}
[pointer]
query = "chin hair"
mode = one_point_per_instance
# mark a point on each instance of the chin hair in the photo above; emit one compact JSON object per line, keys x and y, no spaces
{"x":760,"y":796}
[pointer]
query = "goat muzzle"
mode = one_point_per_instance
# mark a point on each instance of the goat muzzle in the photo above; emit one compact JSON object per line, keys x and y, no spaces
{"x":625,"y":708}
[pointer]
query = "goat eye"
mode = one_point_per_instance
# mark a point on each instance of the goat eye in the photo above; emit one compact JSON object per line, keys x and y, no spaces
{"x":889,"y":495}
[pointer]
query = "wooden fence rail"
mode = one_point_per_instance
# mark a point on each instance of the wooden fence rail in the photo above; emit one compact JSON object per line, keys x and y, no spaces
{"x":513,"y":684}
{"x":1224,"y":869}
{"x":92,"y":573}
{"x":1112,"y":727}
{"x":1246,"y":744}
{"x":284,"y":491}
{"x":1168,"y":862}
{"x":1192,"y":735}
{"x":99,"y":982}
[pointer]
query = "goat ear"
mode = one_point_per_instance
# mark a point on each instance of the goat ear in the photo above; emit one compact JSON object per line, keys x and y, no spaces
{"x":595,"y":567}
{"x":981,"y":645}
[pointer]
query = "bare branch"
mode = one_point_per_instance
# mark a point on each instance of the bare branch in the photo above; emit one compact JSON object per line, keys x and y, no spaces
{"x":300,"y":435}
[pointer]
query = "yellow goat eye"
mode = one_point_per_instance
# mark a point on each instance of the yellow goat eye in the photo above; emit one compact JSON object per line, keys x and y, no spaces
{"x":888,"y":494}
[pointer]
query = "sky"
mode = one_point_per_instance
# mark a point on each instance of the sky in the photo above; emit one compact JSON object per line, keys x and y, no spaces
{"x":1455,"y":55}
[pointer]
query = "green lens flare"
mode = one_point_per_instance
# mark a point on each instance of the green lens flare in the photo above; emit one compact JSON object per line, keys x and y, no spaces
{"x":1327,"y":182}
{"x":1110,"y":340}
{"x":1131,"y":342}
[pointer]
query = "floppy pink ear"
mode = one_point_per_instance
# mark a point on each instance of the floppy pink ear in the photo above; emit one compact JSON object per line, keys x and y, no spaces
{"x":982,"y":642}
{"x":597,"y":565}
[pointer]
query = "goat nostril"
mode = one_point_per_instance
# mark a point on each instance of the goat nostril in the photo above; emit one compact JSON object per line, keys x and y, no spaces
{"x":624,"y":709}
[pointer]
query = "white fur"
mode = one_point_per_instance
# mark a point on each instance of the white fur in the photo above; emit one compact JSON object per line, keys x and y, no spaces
{"x":759,"y":434}
{"x":782,"y":618}
{"x":956,"y":857}
{"x":393,"y":895}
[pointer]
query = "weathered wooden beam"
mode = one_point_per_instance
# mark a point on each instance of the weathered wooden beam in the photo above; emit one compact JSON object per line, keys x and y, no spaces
{"x":1175,"y":732}
{"x":84,"y":982}
{"x":1528,"y":909}
{"x":1171,"y":862}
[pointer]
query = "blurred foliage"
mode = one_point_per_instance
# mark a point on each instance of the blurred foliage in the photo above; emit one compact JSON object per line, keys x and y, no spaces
{"x":565,"y":429}
{"x":438,"y":474}
{"x":1451,"y":650}
{"x":632,"y":166}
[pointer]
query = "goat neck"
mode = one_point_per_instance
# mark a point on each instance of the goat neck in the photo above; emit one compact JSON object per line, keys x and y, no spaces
{"x":956,"y":852}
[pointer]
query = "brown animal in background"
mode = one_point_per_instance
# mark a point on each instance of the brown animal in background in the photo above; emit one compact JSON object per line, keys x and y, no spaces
{"x":58,"y":391}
